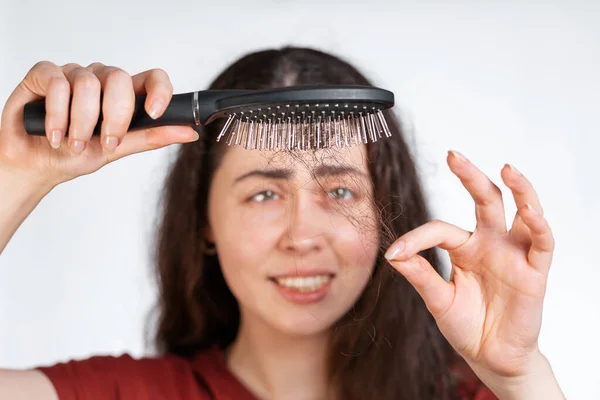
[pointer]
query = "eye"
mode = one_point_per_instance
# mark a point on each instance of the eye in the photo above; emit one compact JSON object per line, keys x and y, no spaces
{"x":265,"y":195}
{"x":340,"y":193}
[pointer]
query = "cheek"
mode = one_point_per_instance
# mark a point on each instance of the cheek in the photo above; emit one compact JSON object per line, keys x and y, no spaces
{"x":356,"y":235}
{"x":245,"y":235}
{"x":356,"y":244}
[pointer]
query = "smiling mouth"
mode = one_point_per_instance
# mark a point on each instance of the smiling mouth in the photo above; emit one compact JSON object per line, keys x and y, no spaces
{"x":303,"y":283}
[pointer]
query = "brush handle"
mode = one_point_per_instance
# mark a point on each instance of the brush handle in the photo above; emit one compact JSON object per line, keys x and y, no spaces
{"x":178,"y":112}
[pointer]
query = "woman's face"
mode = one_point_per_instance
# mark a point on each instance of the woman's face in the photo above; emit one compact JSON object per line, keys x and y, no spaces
{"x":296,"y":235}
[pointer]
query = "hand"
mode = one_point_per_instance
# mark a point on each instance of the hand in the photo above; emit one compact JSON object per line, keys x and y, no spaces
{"x":49,"y":160}
{"x":491,"y":310}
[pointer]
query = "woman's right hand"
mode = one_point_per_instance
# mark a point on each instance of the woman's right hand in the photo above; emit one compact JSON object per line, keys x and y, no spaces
{"x":52,"y":159}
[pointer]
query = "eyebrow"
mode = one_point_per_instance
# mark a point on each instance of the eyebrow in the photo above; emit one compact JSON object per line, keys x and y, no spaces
{"x":323,"y":170}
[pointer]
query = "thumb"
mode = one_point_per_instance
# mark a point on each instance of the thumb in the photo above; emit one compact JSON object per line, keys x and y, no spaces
{"x":154,"y":138}
{"x":437,"y":294}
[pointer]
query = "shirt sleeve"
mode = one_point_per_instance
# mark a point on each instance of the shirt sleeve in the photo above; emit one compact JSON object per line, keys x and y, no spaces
{"x":123,"y":377}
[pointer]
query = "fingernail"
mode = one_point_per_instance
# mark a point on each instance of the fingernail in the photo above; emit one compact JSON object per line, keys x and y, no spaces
{"x":77,"y":147}
{"x":195,"y":136}
{"x":55,"y":139}
{"x":155,"y":108}
{"x":458,"y":155}
{"x":110,"y":144}
{"x":513,"y":169}
{"x":395,"y":250}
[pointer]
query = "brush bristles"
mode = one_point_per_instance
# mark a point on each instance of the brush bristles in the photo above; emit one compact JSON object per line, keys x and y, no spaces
{"x":304,"y":130}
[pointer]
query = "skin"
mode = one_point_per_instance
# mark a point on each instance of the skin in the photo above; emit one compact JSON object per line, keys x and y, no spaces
{"x":490,"y":311}
{"x":267,"y":226}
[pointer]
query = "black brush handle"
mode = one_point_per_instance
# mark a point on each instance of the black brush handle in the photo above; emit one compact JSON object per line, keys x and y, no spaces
{"x":180,"y":111}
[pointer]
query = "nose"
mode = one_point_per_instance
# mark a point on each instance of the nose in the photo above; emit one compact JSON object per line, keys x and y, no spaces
{"x":306,"y":229}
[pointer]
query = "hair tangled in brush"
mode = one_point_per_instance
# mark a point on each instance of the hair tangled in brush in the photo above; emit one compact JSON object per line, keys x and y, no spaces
{"x":387,"y":346}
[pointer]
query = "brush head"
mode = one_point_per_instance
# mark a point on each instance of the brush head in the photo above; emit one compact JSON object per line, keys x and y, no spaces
{"x":303,"y":117}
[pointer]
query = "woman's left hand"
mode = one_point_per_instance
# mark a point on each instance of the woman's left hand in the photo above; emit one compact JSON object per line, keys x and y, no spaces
{"x":491,"y":310}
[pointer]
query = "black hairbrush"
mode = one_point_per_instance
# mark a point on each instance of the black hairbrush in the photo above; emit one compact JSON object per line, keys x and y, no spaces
{"x":300,"y":117}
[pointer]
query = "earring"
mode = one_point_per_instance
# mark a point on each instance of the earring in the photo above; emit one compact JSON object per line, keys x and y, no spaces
{"x":208,"y":248}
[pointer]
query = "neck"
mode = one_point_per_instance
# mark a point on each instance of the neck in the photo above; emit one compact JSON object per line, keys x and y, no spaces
{"x":265,"y":359}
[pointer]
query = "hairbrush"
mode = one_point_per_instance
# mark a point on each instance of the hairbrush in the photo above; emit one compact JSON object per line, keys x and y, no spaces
{"x":289,"y":118}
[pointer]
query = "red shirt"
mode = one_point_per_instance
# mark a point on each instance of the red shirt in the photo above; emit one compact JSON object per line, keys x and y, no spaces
{"x":204,"y":377}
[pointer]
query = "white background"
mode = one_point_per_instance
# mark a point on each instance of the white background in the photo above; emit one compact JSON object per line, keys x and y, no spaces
{"x":516,"y":83}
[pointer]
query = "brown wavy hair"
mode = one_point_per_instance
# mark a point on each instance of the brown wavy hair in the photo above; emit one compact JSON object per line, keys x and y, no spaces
{"x":388,"y":345}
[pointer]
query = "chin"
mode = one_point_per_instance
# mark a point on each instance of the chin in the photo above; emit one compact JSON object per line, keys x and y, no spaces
{"x":302,"y":322}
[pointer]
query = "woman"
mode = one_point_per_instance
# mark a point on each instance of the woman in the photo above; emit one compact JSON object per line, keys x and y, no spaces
{"x":273,"y":280}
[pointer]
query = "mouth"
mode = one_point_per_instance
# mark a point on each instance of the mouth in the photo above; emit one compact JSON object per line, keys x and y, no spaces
{"x":303,"y":284}
{"x":303,"y":289}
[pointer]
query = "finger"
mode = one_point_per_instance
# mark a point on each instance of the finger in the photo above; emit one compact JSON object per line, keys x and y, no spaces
{"x":58,"y":99}
{"x":157,"y":86}
{"x":85,"y":106}
{"x":542,"y":240}
{"x":154,"y":138}
{"x":437,"y":294}
{"x":489,"y":207}
{"x":403,"y":256}
{"x":523,"y":193}
{"x":434,"y":233}
{"x":118,"y":102}
{"x":35,"y":85}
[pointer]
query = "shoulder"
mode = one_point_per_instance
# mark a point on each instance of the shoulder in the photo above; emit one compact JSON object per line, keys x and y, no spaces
{"x":115,"y":365}
{"x":123,"y":376}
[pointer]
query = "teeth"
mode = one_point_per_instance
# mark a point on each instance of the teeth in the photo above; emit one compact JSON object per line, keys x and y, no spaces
{"x":304,"y":283}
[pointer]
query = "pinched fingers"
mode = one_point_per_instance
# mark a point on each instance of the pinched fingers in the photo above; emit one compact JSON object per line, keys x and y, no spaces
{"x":434,"y":233}
{"x":403,"y":256}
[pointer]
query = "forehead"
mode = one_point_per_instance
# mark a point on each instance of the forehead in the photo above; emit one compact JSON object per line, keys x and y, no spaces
{"x":238,"y":160}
